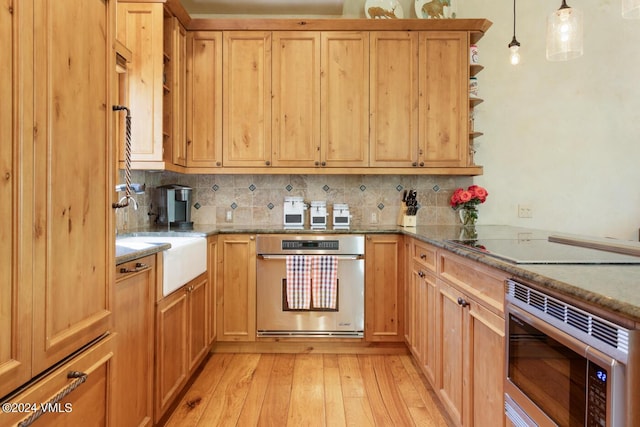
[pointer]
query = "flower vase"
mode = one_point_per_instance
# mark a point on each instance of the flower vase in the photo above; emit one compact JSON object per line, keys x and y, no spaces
{"x":468,"y":216}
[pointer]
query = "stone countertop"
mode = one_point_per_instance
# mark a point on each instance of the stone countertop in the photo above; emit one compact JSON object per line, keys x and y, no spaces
{"x":614,"y":288}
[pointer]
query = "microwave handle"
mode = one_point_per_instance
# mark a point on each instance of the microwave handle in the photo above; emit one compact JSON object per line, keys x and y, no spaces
{"x":339,"y":257}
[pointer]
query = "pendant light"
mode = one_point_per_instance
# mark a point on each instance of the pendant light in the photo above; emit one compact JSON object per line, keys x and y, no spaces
{"x":564,"y":34}
{"x":514,"y":46}
{"x":631,"y":9}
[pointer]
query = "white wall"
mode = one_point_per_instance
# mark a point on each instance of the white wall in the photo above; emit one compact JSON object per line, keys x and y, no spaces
{"x":562,"y":137}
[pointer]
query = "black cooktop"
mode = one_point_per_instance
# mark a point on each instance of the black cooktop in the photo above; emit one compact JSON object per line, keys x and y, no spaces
{"x":542,"y":251}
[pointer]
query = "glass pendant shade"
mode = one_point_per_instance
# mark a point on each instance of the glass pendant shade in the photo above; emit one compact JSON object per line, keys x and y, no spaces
{"x":564,"y":34}
{"x":514,"y":55}
{"x":631,"y":9}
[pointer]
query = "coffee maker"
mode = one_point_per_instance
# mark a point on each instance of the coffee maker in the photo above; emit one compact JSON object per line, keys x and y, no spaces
{"x":172,"y":206}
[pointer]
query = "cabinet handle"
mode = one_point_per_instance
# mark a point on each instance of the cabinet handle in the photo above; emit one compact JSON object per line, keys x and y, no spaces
{"x":462,"y":302}
{"x":79,"y":378}
{"x":139,"y":267}
{"x":423,"y":256}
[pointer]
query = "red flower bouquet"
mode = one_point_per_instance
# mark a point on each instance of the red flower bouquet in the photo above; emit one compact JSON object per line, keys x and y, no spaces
{"x":467,"y":202}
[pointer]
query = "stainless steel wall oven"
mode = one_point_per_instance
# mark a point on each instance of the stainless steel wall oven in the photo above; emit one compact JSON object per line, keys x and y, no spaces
{"x":565,"y":366}
{"x":275,"y":315}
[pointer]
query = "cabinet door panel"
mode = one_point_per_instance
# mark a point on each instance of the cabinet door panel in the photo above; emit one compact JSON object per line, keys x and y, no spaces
{"x":394,"y":99}
{"x":204,"y":99}
{"x":451,"y":331}
{"x":247,"y":98}
{"x":344,"y":86}
{"x":15,"y":280}
{"x":141,"y":30}
{"x":236,"y":295}
{"x":384,"y":299}
{"x":197,"y":320}
{"x":296,"y":98}
{"x":444,"y":105}
{"x":73,"y":255}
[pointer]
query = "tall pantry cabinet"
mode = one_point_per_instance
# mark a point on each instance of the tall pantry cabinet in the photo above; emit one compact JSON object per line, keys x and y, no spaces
{"x":56,"y":247}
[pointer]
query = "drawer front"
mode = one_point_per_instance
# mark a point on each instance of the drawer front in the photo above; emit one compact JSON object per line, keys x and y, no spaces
{"x":424,"y":254}
{"x":483,"y":283}
{"x":85,"y":405}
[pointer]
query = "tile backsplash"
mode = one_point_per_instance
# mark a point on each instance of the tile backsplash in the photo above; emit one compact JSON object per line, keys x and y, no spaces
{"x":258,"y":199}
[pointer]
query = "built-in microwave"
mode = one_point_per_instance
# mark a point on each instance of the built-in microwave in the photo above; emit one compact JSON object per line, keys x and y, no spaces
{"x":564,"y":366}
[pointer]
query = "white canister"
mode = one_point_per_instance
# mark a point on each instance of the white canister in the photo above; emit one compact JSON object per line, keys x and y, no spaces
{"x":473,"y":87}
{"x":473,"y":52}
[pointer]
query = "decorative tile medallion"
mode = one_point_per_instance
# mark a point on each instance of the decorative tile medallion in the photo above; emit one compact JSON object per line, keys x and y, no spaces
{"x":289,"y":187}
{"x":271,"y":206}
{"x":399,"y":187}
{"x":215,"y":187}
{"x":252,"y":187}
{"x":436,"y":188}
{"x":363,"y":187}
{"x":326,"y":188}
{"x":197,"y":205}
{"x":234,"y":205}
{"x":380,"y":206}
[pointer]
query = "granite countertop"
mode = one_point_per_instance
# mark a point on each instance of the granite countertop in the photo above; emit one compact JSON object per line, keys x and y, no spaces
{"x":614,"y":288}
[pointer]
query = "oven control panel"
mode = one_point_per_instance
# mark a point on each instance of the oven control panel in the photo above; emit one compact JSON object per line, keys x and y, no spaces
{"x":311,"y":245}
{"x":596,"y":396}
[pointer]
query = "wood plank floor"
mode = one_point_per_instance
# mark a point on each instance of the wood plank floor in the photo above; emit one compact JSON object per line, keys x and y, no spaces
{"x":238,"y":389}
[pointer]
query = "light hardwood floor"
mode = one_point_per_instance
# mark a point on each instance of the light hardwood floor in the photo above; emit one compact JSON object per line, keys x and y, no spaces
{"x":240,"y":389}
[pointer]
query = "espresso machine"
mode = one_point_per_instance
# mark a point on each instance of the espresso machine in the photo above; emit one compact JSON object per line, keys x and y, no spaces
{"x":171,"y":204}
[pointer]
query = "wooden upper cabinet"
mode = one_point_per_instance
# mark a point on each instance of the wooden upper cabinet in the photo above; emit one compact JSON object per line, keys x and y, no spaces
{"x":73,"y":250}
{"x":444,"y":98}
{"x":204,"y":99}
{"x":140,"y":28}
{"x":344,"y":100}
{"x":296,"y":99}
{"x":394,"y":99}
{"x":246,"y":95}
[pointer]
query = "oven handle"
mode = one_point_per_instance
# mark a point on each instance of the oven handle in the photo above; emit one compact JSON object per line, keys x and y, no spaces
{"x":339,"y":257}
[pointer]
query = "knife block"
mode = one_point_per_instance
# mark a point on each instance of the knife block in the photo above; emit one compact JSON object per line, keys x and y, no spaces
{"x":405,"y":220}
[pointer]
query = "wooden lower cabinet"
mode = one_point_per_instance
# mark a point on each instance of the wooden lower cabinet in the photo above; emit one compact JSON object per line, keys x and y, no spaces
{"x":86,"y":405}
{"x":384,"y":300}
{"x":236,"y":288}
{"x":456,"y":332}
{"x":133,"y":358}
{"x":181,"y":341}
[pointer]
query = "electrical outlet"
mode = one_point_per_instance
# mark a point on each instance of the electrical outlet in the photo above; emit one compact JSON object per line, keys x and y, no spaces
{"x":229,"y":216}
{"x":374,"y":217}
{"x":525,"y":211}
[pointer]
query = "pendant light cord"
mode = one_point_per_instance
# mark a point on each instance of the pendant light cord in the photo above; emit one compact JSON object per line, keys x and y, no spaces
{"x":514,"y":41}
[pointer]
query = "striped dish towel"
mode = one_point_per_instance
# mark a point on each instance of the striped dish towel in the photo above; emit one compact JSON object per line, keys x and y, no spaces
{"x":298,"y":282}
{"x":324,"y":279}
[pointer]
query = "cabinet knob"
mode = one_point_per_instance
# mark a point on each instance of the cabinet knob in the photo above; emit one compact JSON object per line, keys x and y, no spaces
{"x":268,"y":163}
{"x":462,"y":302}
{"x":421,"y":273}
{"x":421,"y":164}
{"x":317,"y":163}
{"x":252,"y":238}
{"x":423,"y":256}
{"x":218,"y":163}
{"x":188,"y":142}
{"x":414,"y":164}
{"x":324,"y":163}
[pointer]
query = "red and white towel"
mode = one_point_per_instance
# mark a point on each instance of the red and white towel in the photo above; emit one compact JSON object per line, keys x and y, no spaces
{"x":307,"y":275}
{"x":324,"y":280}
{"x":299,"y":282}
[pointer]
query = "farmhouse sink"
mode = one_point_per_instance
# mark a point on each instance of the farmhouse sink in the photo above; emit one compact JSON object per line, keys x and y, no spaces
{"x":185,"y":260}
